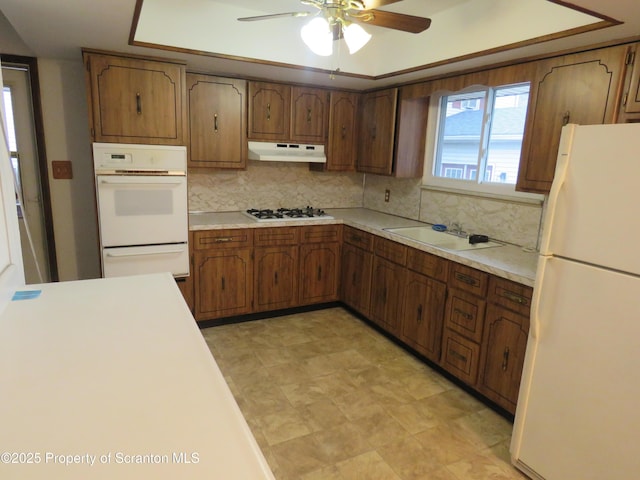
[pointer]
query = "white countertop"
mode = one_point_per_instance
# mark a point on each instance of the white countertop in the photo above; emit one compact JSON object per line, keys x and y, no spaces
{"x":114,"y":372}
{"x":509,"y":261}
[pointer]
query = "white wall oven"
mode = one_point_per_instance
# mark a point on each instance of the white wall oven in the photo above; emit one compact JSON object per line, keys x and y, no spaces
{"x":143,"y":220}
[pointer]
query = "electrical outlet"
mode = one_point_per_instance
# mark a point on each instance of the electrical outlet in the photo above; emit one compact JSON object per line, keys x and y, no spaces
{"x":387,"y":194}
{"x":61,"y":169}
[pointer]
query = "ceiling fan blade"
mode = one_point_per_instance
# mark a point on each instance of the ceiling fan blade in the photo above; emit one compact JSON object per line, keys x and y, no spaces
{"x":396,"y":21}
{"x":274,"y":15}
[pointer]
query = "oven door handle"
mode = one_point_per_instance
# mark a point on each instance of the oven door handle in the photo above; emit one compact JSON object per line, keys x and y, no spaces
{"x":137,"y":184}
{"x":163,"y":252}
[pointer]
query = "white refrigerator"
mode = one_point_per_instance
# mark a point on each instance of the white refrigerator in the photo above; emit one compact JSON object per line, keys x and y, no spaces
{"x":578,"y":413}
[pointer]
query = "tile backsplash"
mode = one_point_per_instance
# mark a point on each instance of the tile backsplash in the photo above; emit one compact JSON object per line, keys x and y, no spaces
{"x":509,"y":221}
{"x":272,"y":185}
{"x":278,"y":184}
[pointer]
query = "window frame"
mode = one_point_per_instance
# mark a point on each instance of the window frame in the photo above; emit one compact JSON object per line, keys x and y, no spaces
{"x":472,"y":187}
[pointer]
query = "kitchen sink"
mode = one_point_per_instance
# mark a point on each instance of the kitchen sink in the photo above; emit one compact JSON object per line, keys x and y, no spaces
{"x":444,"y":240}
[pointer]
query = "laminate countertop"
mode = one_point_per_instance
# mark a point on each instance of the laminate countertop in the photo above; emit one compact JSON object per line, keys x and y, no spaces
{"x":508,"y":261}
{"x":111,"y":378}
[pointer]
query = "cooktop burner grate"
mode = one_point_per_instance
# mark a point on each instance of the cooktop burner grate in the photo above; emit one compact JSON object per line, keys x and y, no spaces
{"x":268,"y":214}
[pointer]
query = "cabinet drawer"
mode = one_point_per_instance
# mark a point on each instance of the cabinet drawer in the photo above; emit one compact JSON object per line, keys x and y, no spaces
{"x":321,"y":234}
{"x":358,"y":238}
{"x":265,"y":237}
{"x":392,"y":251}
{"x":460,"y":357}
{"x":427,"y":264}
{"x":232,"y":238}
{"x":468,"y":279}
{"x":465,"y":314}
{"x":511,"y":295}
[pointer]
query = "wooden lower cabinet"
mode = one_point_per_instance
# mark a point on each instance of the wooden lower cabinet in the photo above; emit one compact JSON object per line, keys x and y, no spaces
{"x":224,"y":283}
{"x":276,"y":278}
{"x":386,"y":294}
{"x":356,"y":269}
{"x":503,"y":349}
{"x":422,"y":314}
{"x":460,"y":356}
{"x":319,"y":272}
{"x":222,"y":273}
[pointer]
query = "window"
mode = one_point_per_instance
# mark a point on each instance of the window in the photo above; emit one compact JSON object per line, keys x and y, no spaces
{"x":11,"y":134}
{"x":477,"y":141}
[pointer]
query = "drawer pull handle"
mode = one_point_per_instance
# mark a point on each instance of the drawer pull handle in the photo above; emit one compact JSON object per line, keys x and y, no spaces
{"x":457,"y":355}
{"x":505,"y":359}
{"x":138,"y":103}
{"x":466,"y":279}
{"x":353,"y":279}
{"x":419,"y":317}
{"x":463,"y":314}
{"x":222,"y":283}
{"x":224,"y":239}
{"x":268,"y":111}
{"x":319,"y":273}
{"x":215,"y":122}
{"x":275,"y":277}
{"x":514,"y":297}
{"x":308,"y":115}
{"x":344,"y":131}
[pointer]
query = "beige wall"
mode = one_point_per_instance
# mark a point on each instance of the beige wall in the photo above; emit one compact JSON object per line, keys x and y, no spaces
{"x":65,"y":117}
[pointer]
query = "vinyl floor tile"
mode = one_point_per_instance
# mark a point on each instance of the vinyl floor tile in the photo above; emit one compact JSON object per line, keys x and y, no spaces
{"x":330,"y":398}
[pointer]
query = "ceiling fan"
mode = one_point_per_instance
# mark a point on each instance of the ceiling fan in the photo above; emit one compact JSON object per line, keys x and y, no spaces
{"x":336,"y":19}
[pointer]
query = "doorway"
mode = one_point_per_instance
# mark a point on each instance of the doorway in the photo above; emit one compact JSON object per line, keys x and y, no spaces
{"x":26,"y":144}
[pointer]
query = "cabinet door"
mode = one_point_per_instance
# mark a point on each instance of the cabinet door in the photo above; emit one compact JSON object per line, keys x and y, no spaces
{"x":217,"y":128}
{"x":135,"y":101}
{"x":269,"y":111}
{"x":377,"y":132}
{"x":223,"y":280}
{"x":386,"y":294}
{"x":357,"y":266}
{"x":632,"y":95}
{"x":423,"y":314}
{"x":319,"y":264}
{"x":341,"y":150}
{"x":503,"y":350}
{"x":276,"y":277}
{"x":578,"y":89}
{"x":309,"y":114}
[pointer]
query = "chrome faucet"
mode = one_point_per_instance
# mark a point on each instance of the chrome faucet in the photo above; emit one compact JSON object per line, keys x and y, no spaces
{"x":456,"y":229}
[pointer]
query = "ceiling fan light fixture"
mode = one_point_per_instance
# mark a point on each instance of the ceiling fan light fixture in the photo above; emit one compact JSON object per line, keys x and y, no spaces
{"x":318,"y":37}
{"x":355,"y":36}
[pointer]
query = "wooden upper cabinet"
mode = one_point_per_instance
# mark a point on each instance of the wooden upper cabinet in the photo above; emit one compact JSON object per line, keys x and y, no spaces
{"x":411,"y":133}
{"x":582,"y":88}
{"x":309,"y":114}
{"x":341,"y":148}
{"x":133,"y":100}
{"x":630,"y":112}
{"x":217,"y":121}
{"x":377,"y":132}
{"x":269,"y":111}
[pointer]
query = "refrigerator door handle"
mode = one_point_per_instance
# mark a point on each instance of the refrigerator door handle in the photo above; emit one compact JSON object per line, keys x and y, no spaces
{"x":566,"y":140}
{"x":534,"y":324}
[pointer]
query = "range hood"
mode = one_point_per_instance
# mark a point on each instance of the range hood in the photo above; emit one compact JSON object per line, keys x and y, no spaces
{"x":286,"y":152}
